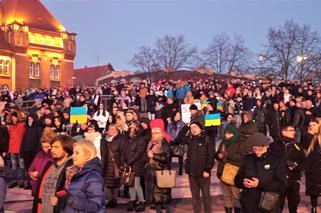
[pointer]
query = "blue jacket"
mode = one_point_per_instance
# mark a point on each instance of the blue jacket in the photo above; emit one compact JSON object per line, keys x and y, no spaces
{"x":180,"y":93}
{"x":86,"y":190}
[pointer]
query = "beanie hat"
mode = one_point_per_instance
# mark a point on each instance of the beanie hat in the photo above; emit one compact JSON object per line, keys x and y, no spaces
{"x":232,"y":129}
{"x":197,"y":123}
{"x":258,"y":139}
{"x":193,"y":107}
{"x":159,"y":123}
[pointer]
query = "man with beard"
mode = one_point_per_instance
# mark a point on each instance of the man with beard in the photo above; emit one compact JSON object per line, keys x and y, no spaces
{"x":294,"y":160}
{"x":53,"y":175}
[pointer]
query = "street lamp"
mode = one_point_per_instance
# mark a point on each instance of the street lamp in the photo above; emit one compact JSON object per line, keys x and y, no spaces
{"x":300,"y":59}
{"x":261,"y":59}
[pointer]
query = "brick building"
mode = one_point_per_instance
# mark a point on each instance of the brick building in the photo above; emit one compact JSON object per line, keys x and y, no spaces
{"x":35,"y":49}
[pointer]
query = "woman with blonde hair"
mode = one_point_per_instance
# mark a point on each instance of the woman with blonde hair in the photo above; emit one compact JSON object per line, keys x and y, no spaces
{"x":313,"y":165}
{"x":121,"y":124}
{"x":84,"y":188}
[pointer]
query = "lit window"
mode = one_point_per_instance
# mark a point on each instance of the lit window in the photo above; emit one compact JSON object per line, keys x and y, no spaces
{"x":52,"y":42}
{"x":1,"y":66}
{"x":37,"y":70}
{"x":52,"y":71}
{"x":42,"y":40}
{"x":6,"y":68}
{"x":31,"y":69}
{"x":57,"y":71}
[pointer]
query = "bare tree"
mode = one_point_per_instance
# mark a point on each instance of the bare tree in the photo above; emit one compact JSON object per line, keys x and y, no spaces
{"x":145,"y":59}
{"x":291,"y":51}
{"x":173,"y":53}
{"x":224,"y":54}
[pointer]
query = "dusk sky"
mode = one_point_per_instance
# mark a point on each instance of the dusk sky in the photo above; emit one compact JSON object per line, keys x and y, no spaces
{"x":114,"y":30}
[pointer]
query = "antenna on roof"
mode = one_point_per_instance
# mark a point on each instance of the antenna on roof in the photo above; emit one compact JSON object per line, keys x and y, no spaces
{"x":97,"y":58}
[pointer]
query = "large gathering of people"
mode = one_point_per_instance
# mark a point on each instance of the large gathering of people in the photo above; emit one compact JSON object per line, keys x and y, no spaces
{"x":267,"y":139}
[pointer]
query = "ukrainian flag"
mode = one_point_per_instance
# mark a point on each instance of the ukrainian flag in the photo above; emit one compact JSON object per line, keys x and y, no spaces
{"x":219,"y":106}
{"x":78,"y":114}
{"x":213,"y":119}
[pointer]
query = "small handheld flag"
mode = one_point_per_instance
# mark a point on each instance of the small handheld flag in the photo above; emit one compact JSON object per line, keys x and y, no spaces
{"x":219,"y":106}
{"x":78,"y":114}
{"x":213,"y":119}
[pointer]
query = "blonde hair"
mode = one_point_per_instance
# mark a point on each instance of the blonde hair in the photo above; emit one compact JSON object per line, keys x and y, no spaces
{"x":48,"y":135}
{"x":316,"y":138}
{"x":88,"y":147}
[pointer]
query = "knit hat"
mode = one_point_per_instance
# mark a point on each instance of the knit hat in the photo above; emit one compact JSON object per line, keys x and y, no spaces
{"x":193,"y":107}
{"x":197,"y":123}
{"x":159,"y":123}
{"x":258,"y":139}
{"x":232,"y":129}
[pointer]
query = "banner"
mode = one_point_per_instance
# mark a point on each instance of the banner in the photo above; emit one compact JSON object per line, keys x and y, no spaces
{"x":213,"y":119}
{"x":186,"y":114}
{"x":78,"y":114}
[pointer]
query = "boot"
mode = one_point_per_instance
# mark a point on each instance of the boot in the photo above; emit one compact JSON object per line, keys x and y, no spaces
{"x":112,"y":204}
{"x":228,"y":210}
{"x":314,"y":209}
{"x":131,"y":205}
{"x":13,"y":184}
{"x":237,"y":210}
{"x":140,"y":207}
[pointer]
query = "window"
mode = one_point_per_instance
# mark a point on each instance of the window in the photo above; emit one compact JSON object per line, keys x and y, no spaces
{"x":57,"y":71}
{"x":31,"y":69}
{"x":52,"y":71}
{"x":1,"y":66}
{"x":37,"y":69}
{"x":5,"y":70}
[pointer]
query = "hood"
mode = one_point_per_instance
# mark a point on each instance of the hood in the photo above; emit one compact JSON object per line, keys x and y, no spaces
{"x":94,"y":164}
{"x":35,"y":120}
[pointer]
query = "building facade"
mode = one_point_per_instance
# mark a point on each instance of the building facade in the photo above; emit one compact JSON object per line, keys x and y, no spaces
{"x":35,"y":49}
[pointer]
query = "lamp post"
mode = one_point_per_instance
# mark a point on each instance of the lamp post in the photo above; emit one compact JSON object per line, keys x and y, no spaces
{"x":301,"y":60}
{"x":261,"y":59}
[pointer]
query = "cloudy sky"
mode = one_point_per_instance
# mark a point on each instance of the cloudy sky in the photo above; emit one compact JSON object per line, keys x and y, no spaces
{"x":113,"y":30}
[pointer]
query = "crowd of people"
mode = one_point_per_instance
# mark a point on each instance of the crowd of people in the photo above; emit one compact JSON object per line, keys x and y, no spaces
{"x":268,"y":136}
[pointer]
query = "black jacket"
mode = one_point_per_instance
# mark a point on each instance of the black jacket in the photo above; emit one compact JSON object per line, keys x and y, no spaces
{"x":31,"y":138}
{"x":133,"y":154}
{"x":200,"y":155}
{"x":294,"y":157}
{"x":269,"y":169}
{"x":313,"y":172}
{"x":4,"y":139}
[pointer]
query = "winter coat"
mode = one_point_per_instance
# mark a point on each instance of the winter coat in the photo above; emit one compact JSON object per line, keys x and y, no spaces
{"x":274,"y":122}
{"x":133,"y":154}
{"x":162,"y":161}
{"x":269,"y":169}
{"x":259,"y":116}
{"x":116,"y":147}
{"x":200,"y":155}
{"x":16,"y":133}
{"x":313,"y":172}
{"x":246,"y":130}
{"x":199,"y":117}
{"x":59,"y":186}
{"x":298,"y":119}
{"x":38,"y":164}
{"x":293,"y":153}
{"x":86,"y":190}
{"x":4,"y":139}
{"x":101,"y":119}
{"x":31,"y":137}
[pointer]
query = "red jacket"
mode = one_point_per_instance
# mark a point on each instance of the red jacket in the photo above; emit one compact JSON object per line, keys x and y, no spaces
{"x":16,"y":133}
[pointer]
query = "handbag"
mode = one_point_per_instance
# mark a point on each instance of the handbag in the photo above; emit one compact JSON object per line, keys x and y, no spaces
{"x":268,"y":201}
{"x":178,"y":150}
{"x":128,"y":178}
{"x":165,"y":178}
{"x":229,"y":173}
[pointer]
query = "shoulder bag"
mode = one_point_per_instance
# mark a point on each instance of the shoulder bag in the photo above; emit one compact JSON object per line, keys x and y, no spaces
{"x":165,"y":178}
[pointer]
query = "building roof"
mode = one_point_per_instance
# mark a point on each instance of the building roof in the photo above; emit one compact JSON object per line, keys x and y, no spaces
{"x":31,"y":12}
{"x":88,"y":75}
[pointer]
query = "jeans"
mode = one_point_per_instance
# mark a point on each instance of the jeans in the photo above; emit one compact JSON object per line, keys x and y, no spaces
{"x":136,"y":190}
{"x":197,"y":185}
{"x":18,"y":173}
{"x":112,"y":193}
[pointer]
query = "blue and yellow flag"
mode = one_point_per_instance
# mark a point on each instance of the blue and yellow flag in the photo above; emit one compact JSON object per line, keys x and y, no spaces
{"x":219,"y":106}
{"x":213,"y":119}
{"x":78,"y":114}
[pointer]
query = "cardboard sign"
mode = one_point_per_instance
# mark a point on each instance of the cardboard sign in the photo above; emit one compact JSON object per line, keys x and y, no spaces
{"x":186,"y":114}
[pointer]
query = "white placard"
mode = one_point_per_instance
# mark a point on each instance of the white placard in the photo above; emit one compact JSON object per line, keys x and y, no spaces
{"x":186,"y":114}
